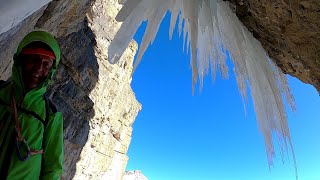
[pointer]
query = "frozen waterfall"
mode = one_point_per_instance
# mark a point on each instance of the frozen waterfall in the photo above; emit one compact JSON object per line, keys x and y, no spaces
{"x":210,"y":28}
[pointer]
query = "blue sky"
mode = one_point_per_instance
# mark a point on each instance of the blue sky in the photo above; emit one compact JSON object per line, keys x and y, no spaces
{"x":206,"y":136}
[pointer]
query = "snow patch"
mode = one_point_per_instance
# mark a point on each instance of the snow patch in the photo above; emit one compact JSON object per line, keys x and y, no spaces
{"x":15,"y":11}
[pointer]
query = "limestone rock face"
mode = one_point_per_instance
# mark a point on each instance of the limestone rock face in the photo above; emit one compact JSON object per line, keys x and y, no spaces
{"x":289,"y":31}
{"x":95,"y":97}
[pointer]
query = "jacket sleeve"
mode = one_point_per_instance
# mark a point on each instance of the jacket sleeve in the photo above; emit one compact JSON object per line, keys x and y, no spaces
{"x":52,"y":161}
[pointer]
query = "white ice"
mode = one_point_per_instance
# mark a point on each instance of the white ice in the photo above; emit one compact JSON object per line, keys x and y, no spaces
{"x":210,"y":28}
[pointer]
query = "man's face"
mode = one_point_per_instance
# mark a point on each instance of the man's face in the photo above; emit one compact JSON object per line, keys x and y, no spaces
{"x":35,"y":69}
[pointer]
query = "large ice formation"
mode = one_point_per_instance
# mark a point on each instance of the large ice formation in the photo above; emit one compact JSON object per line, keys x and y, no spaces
{"x":210,"y":29}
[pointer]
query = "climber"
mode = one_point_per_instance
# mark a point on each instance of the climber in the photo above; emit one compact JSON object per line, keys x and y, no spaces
{"x":31,"y":130}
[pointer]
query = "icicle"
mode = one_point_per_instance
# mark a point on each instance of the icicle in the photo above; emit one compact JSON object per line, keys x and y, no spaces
{"x":152,"y":28}
{"x":211,"y":29}
{"x":174,"y":9}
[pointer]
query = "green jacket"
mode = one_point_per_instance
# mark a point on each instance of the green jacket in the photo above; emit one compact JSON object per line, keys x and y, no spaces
{"x":38,"y":135}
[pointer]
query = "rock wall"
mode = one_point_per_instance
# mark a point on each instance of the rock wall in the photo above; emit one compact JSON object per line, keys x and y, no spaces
{"x":289,"y":31}
{"x":97,"y":102}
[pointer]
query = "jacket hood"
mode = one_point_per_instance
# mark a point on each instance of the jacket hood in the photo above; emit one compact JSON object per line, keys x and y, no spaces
{"x":46,"y":38}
